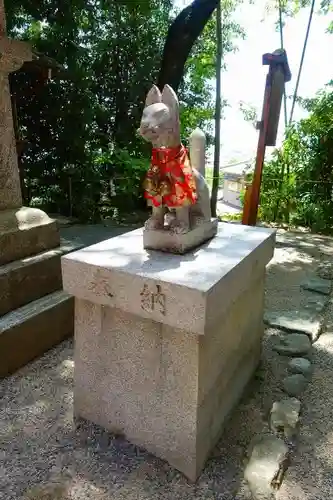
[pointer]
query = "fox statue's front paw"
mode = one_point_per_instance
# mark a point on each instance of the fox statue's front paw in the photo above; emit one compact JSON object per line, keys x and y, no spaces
{"x":154,"y":223}
{"x":197,"y":220}
{"x":180,"y":227}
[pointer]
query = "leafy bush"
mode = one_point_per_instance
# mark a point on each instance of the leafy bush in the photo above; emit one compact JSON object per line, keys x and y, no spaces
{"x":277,"y":191}
{"x":297,"y":183}
{"x":80,"y":126}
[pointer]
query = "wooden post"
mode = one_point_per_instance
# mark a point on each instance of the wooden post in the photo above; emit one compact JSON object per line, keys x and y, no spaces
{"x":278,"y":74}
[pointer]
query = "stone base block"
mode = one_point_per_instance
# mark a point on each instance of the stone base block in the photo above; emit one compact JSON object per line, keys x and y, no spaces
{"x":33,"y":329}
{"x":165,"y":241}
{"x":24,"y":232}
{"x":29,"y":279}
{"x":165,"y":344}
{"x":165,"y":389}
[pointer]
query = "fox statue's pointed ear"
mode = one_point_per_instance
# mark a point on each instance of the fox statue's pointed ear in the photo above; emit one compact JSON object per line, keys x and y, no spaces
{"x":154,"y":95}
{"x":170,"y":99}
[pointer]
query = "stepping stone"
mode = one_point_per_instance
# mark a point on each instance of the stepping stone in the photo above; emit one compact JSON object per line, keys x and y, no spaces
{"x":315,"y":303}
{"x":292,"y":344}
{"x":285,"y":415}
{"x":303,"y":321}
{"x":319,"y":285}
{"x":300,"y":365}
{"x":267,"y":457}
{"x":325,"y":270}
{"x":294,"y":384}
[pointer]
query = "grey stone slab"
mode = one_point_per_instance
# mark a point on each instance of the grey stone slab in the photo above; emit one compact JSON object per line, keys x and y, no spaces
{"x":314,"y":303}
{"x":284,"y":416}
{"x":293,"y":344}
{"x":300,"y":365}
{"x":34,"y":328}
{"x":294,"y":384}
{"x":318,"y":285}
{"x":305,"y":321}
{"x":232,"y":246}
{"x":29,"y":279}
{"x":325,"y":270}
{"x":120,"y":273}
{"x":267,"y":457}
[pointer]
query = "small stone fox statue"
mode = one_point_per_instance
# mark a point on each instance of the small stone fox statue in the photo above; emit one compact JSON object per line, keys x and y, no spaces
{"x":173,"y":187}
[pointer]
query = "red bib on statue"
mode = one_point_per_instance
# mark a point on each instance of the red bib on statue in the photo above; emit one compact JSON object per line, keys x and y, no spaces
{"x":169,"y":180}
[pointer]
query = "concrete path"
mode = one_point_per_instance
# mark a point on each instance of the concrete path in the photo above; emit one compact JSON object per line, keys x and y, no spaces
{"x":43,"y":457}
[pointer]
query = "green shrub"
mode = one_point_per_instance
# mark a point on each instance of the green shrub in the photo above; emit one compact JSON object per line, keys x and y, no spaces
{"x":297,"y":183}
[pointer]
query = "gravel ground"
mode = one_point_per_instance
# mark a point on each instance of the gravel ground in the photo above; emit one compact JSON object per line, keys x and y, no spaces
{"x":286,"y":271}
{"x":296,"y":258}
{"x":41,"y":448}
{"x":44,"y":457}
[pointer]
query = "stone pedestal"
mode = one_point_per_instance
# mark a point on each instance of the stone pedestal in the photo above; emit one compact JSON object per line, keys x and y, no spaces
{"x":165,"y":344}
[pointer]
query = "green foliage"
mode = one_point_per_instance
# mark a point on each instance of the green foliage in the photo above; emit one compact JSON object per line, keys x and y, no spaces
{"x":87,"y":117}
{"x":290,"y":8}
{"x":276,"y":195}
{"x":306,"y":194}
{"x":236,"y":217}
{"x":80,"y":126}
{"x":249,"y":112}
{"x":197,"y":91}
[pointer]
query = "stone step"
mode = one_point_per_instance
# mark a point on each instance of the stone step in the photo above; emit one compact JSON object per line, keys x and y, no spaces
{"x":34,"y":328}
{"x":26,"y":231}
{"x":29,"y":279}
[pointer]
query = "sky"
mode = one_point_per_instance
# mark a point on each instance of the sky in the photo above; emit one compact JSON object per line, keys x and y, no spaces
{"x":244,"y":78}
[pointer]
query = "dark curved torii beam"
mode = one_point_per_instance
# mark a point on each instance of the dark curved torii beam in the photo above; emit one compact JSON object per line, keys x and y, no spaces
{"x":182,"y":34}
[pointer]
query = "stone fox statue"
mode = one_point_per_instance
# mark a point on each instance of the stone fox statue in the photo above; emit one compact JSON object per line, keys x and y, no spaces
{"x":172,"y":185}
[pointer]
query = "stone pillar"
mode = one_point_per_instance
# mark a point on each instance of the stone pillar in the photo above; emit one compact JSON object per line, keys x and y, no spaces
{"x":23,"y":231}
{"x":10,"y":191}
{"x":13,"y":54}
